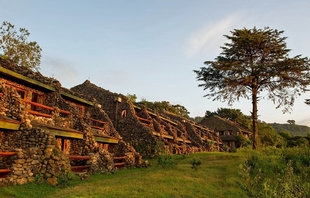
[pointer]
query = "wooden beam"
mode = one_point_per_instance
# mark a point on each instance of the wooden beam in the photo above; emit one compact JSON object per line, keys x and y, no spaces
{"x":163,"y":118}
{"x":78,"y":168}
{"x":65,"y":133}
{"x":38,"y":105}
{"x":26,"y":79}
{"x":75,"y":157}
{"x":119,"y":158}
{"x":120,"y":164}
{"x":167,"y":136}
{"x":7,"y":153}
{"x":76,"y":98}
{"x":96,"y":127}
{"x":10,"y":125}
{"x":5,"y":170}
{"x":99,"y":121}
{"x":39,"y":114}
{"x":106,"y":140}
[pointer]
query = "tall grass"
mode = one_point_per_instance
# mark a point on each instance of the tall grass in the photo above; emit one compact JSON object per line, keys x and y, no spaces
{"x":276,"y":172}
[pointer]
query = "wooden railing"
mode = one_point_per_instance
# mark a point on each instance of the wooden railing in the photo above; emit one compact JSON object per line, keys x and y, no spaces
{"x":76,"y":157}
{"x":5,"y":172}
{"x":37,"y":113}
{"x":44,"y":107}
{"x":79,"y":168}
{"x":121,"y":162}
{"x":145,"y":121}
{"x":97,"y":122}
{"x":7,"y":153}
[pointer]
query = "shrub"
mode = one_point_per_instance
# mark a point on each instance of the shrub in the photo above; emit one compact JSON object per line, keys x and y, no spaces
{"x":195,"y":163}
{"x":242,"y":141}
{"x":165,"y":160}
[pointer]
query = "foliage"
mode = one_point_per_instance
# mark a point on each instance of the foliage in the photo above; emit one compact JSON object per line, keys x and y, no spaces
{"x":146,"y":150}
{"x":195,"y":163}
{"x":253,"y":61}
{"x":293,"y":141}
{"x":63,"y":179}
{"x":165,"y":160}
{"x":14,"y":45}
{"x":291,"y":121}
{"x":197,"y":119}
{"x":159,"y":148}
{"x":268,"y":136}
{"x":132,"y":97}
{"x":273,"y":172}
{"x":166,"y":106}
{"x":242,"y":141}
{"x":297,"y":141}
{"x":285,"y":134}
{"x":294,"y":129}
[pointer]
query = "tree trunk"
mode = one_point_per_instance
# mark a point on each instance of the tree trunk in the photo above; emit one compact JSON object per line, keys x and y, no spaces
{"x":254,"y":119}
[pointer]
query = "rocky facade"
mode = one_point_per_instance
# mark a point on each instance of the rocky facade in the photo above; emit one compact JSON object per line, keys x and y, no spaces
{"x":144,"y":130}
{"x":36,"y":154}
{"x":129,"y":127}
{"x":39,"y":153}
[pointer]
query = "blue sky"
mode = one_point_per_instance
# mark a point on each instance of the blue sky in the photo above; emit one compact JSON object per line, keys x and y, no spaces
{"x":149,"y":48}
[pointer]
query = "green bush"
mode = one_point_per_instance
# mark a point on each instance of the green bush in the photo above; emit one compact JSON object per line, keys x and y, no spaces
{"x":165,"y":160}
{"x":242,"y":141}
{"x":195,"y":163}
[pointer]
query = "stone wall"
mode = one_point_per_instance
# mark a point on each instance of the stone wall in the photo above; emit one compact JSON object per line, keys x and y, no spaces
{"x":36,"y":155}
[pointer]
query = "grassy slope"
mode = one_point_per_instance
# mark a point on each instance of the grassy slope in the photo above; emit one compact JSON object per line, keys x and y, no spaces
{"x":217,"y":177}
{"x":294,"y":129}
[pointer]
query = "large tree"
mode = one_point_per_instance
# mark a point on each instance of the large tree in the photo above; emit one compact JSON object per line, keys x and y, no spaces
{"x":14,"y":45}
{"x":255,"y":61}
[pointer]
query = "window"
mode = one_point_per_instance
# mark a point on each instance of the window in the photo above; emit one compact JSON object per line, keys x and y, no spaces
{"x":124,"y":114}
{"x":38,"y":98}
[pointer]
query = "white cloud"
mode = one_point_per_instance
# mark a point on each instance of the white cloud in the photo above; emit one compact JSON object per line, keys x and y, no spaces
{"x":304,"y":122}
{"x":210,"y":37}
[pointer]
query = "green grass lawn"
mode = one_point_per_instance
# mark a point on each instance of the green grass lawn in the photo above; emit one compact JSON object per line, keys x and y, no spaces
{"x":216,"y":177}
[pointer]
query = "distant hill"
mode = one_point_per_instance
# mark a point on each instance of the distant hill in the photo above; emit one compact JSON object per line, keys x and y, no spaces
{"x":294,"y":129}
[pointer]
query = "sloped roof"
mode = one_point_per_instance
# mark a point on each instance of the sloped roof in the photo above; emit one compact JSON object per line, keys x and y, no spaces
{"x":217,"y":123}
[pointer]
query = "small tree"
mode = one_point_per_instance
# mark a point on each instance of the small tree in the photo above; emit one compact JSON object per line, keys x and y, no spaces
{"x":14,"y":46}
{"x":132,"y":97}
{"x":255,"y":60}
{"x":291,"y":121}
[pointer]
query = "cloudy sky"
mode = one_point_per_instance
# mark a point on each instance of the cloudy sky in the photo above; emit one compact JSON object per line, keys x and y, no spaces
{"x":149,"y":48}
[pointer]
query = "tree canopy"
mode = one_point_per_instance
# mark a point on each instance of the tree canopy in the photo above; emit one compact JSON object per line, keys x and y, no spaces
{"x":255,"y":61}
{"x":14,"y":45}
{"x":166,"y":106}
{"x":132,"y":97}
